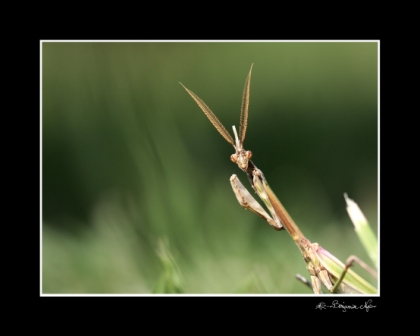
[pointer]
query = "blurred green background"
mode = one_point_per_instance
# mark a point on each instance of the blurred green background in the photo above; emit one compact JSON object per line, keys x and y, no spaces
{"x":135,"y":180}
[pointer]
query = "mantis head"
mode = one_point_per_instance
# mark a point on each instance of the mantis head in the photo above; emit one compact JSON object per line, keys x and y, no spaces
{"x":241,"y":156}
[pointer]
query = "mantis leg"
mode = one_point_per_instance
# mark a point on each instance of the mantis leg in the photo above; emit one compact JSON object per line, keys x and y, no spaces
{"x":302,"y":279}
{"x":246,"y":200}
{"x":316,"y":284}
{"x":349,"y":263}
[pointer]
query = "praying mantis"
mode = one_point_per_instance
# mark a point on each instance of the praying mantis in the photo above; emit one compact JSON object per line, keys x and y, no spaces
{"x":323,"y":267}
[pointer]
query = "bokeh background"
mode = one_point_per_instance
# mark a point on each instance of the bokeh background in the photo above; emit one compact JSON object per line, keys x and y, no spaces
{"x":136,"y":196}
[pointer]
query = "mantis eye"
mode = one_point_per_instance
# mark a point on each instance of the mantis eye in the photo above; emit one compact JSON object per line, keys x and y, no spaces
{"x":248,"y":154}
{"x":233,"y":158}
